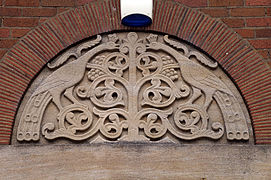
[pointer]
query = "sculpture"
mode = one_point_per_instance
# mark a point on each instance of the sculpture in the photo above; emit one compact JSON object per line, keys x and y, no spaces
{"x":133,"y":89}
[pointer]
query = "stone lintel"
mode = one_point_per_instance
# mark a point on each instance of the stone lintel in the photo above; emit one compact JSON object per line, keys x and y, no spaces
{"x":135,"y":161}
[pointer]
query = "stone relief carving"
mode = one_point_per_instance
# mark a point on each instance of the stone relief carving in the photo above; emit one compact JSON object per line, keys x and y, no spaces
{"x":129,"y":88}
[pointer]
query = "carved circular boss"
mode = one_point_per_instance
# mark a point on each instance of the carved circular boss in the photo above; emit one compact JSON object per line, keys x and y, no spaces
{"x":133,"y":87}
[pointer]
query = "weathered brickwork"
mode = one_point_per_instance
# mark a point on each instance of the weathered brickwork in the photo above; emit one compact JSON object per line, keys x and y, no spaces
{"x":25,"y":57}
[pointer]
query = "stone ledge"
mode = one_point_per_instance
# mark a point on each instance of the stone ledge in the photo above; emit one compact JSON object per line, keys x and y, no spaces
{"x":135,"y":161}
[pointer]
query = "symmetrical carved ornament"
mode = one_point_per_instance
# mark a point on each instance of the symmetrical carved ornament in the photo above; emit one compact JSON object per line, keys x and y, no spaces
{"x":132,"y":88}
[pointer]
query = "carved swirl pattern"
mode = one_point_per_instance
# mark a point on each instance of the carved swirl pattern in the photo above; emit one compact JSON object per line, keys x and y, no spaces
{"x":136,"y":89}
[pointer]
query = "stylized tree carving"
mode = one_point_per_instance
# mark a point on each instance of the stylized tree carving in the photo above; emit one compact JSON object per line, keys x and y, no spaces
{"x":132,"y":89}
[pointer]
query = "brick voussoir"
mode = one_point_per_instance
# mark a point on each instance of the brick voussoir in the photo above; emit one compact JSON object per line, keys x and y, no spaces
{"x":241,"y":60}
{"x":190,"y":29}
{"x":239,"y":52}
{"x":50,"y":37}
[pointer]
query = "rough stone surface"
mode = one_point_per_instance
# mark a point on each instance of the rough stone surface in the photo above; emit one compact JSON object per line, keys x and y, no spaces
{"x":136,"y":161}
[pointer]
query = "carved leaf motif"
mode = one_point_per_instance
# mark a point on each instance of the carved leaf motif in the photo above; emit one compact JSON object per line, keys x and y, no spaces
{"x":113,"y":37}
{"x":157,"y":91}
{"x":73,"y":119}
{"x":152,"y":38}
{"x":159,"y":95}
{"x":109,"y":92}
{"x":88,"y":45}
{"x":152,"y":127}
{"x":114,"y":126}
{"x":110,"y":95}
{"x":65,"y":57}
{"x":176,"y":44}
{"x":132,"y":43}
{"x":193,"y":123}
{"x":118,"y":64}
{"x":203,"y":59}
{"x":132,"y":38}
{"x":149,"y":63}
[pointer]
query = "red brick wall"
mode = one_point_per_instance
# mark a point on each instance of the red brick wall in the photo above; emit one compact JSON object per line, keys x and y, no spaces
{"x":250,"y":18}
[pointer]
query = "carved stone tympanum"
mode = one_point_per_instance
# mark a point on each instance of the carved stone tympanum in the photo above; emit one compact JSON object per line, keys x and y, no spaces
{"x":132,"y":87}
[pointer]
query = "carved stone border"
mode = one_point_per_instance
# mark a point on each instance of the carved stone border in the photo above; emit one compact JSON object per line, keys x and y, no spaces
{"x":20,"y":65}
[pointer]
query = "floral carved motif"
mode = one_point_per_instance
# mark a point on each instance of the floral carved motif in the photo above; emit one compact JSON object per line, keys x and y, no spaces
{"x":132,"y":88}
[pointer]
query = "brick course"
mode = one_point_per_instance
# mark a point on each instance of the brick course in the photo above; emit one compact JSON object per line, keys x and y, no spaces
{"x":259,"y":22}
{"x":245,"y":66}
{"x":39,"y":12}
{"x":234,"y":22}
{"x":4,"y":33}
{"x":197,"y":3}
{"x":7,"y":43}
{"x":265,"y":53}
{"x":258,"y":2}
{"x":216,"y":12}
{"x":246,"y":33}
{"x":17,"y":33}
{"x":58,"y":3}
{"x":2,"y":52}
{"x":25,"y":3}
{"x":226,"y":2}
{"x":10,"y":11}
{"x":20,"y":22}
{"x":247,"y":12}
{"x":263,"y":33}
{"x":261,"y":43}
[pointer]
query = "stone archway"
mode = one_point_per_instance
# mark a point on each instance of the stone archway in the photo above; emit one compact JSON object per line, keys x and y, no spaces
{"x":21,"y":64}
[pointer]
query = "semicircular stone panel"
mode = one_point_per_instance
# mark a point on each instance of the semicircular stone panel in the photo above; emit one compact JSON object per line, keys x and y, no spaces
{"x":128,"y":86}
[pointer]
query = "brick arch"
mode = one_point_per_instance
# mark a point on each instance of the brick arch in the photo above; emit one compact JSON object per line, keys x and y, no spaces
{"x":20,"y":65}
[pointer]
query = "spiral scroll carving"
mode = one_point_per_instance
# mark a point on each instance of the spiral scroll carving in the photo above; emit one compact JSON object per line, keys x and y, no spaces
{"x":133,"y":87}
